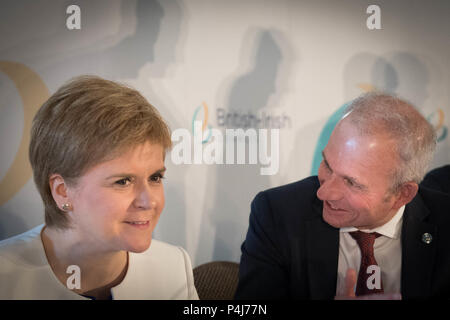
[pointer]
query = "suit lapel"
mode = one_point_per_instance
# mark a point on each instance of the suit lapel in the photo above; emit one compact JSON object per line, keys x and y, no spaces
{"x":417,"y":256}
{"x":322,"y":255}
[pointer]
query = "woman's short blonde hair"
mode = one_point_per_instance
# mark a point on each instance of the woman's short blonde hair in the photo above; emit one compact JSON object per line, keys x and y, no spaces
{"x":85,"y":122}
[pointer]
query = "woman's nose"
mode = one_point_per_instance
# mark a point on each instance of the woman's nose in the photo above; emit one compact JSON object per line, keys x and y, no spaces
{"x":144,"y":198}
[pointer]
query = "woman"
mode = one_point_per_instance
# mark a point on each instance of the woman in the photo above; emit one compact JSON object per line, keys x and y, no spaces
{"x":97,"y":152}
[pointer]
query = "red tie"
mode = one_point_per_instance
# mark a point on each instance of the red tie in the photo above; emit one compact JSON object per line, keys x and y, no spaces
{"x":365,"y":242}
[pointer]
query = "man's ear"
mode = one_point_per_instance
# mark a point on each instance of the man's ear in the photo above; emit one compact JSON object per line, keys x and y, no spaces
{"x":59,"y":189}
{"x":406,"y":192}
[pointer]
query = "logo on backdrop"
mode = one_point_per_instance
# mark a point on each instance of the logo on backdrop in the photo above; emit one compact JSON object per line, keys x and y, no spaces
{"x":436,"y":119}
{"x":205,"y":121}
{"x":236,"y":119}
{"x":246,"y":134}
{"x":33,"y":92}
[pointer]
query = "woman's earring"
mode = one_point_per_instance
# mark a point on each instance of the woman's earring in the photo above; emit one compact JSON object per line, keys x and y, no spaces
{"x":66,"y":206}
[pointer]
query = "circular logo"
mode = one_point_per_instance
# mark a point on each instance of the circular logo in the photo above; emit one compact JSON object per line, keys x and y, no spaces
{"x":33,"y":93}
{"x":205,"y":121}
{"x":436,"y":119}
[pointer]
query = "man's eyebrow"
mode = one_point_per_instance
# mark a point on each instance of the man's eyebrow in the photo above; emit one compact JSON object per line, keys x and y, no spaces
{"x":353,"y":180}
{"x":325,"y":160}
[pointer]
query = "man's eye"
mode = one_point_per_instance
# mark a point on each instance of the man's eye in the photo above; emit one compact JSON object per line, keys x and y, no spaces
{"x":353,"y":184}
{"x":157,"y":178}
{"x":349,"y":182}
{"x":123,"y":182}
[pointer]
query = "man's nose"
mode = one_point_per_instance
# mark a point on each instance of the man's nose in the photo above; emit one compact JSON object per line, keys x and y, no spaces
{"x":330,"y":189}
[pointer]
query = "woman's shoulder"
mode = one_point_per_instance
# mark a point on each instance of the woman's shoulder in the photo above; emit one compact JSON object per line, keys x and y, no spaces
{"x":24,"y":248}
{"x":163,"y":271}
{"x":163,"y":253}
{"x":24,"y":271}
{"x":158,"y":246}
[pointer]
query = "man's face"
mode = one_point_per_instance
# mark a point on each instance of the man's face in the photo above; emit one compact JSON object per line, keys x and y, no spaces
{"x":355,"y":179}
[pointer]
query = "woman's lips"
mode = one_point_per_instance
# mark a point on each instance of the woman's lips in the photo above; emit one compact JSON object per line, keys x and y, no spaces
{"x":139,"y":224}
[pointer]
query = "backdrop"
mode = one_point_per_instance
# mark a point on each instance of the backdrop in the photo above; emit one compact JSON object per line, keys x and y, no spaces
{"x":273,"y":65}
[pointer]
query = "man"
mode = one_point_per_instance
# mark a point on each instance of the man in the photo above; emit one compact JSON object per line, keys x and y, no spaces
{"x":362,"y":223}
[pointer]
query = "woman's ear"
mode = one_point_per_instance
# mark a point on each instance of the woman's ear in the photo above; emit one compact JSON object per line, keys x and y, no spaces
{"x":59,"y":191}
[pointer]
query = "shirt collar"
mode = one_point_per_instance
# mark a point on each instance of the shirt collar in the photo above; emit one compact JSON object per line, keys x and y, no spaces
{"x":390,"y":229}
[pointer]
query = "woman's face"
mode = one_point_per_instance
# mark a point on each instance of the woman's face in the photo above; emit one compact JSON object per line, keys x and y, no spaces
{"x":116,"y":204}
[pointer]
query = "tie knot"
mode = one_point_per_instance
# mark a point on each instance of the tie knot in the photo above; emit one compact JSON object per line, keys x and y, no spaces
{"x":365,"y":240}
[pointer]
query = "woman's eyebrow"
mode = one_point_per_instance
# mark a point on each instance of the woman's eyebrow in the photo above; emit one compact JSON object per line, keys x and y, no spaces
{"x":162,"y":170}
{"x":121,"y":175}
{"x":131,"y":175}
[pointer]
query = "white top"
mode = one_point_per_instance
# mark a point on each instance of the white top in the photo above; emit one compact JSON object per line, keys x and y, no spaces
{"x":387,"y":252}
{"x":163,"y":271}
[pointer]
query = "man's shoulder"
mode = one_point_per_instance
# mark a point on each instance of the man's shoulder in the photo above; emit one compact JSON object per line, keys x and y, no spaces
{"x":304,"y":189}
{"x":438,"y":179}
{"x":435,"y":200}
{"x":291,"y":201}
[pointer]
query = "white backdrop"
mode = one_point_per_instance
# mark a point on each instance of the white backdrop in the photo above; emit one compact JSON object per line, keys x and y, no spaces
{"x":300,"y":61}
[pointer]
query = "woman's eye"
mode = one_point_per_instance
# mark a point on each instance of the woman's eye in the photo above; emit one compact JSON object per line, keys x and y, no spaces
{"x":157,"y":178}
{"x":123,"y":182}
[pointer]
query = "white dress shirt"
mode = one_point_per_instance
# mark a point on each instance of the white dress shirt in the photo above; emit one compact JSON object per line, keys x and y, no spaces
{"x":163,"y":271}
{"x":387,"y":251}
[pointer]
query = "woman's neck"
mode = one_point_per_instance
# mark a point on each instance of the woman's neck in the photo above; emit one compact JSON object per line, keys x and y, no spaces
{"x":100,"y":270}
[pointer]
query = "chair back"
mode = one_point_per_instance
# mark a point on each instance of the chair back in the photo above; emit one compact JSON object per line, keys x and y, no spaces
{"x":216,"y":280}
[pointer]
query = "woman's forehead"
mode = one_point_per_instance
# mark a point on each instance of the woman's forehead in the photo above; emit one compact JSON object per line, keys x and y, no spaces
{"x":146,"y":156}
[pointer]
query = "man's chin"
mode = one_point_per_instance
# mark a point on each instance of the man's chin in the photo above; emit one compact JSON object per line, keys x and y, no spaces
{"x":337,"y":221}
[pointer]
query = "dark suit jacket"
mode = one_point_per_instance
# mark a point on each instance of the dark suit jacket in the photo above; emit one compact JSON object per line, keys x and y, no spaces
{"x":291,"y":253}
{"x":438,"y":179}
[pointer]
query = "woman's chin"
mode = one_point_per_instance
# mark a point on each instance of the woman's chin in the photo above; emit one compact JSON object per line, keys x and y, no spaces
{"x":138,"y":247}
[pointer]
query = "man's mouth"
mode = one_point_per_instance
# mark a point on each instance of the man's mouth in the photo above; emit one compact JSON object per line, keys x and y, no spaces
{"x":333,"y":207}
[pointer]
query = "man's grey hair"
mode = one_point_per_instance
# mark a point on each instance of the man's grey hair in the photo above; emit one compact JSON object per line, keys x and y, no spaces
{"x":373,"y":113}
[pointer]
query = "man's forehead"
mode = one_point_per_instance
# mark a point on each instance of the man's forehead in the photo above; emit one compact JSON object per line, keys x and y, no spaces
{"x":347,"y":135}
{"x":361,"y":159}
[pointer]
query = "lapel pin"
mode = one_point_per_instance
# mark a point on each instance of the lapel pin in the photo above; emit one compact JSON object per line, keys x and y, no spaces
{"x":427,"y":238}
